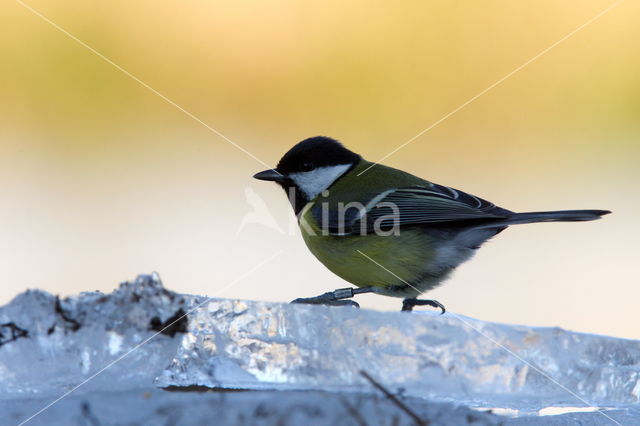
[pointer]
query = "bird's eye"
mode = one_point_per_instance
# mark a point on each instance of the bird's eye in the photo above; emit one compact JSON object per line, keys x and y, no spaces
{"x":306,"y":166}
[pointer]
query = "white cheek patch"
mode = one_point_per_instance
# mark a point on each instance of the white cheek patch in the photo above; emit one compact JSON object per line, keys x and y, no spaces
{"x":317,"y":180}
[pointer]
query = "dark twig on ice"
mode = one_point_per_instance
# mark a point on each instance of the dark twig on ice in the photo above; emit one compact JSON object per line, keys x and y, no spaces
{"x":401,"y":405}
{"x":353,"y":411}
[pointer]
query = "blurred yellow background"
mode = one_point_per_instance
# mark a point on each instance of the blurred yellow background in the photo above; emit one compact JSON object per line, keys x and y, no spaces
{"x":101,"y":179}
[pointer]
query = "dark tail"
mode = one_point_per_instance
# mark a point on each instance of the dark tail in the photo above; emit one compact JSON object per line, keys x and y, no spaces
{"x":556,"y":216}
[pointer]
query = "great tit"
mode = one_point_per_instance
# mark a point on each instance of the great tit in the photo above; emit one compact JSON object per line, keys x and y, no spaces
{"x":384,"y":230}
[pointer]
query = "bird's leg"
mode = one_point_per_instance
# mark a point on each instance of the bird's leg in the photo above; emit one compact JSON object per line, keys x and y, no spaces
{"x":335,"y":297}
{"x":409,"y":303}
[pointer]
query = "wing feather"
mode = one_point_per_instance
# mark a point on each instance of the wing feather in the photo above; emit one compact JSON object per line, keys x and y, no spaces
{"x":435,"y":204}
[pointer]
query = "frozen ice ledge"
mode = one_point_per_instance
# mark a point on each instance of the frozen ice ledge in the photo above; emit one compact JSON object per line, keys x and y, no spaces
{"x":145,"y":339}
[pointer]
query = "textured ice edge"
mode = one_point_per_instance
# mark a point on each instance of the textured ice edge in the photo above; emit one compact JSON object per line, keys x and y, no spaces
{"x":48,"y":346}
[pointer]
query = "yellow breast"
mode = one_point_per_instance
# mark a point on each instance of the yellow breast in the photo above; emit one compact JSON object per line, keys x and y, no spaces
{"x":369,"y":260}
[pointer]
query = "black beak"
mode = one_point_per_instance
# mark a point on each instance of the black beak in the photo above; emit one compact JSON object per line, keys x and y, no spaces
{"x":271,"y":175}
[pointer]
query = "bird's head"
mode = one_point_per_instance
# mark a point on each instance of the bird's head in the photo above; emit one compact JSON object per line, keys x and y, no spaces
{"x":311,"y":167}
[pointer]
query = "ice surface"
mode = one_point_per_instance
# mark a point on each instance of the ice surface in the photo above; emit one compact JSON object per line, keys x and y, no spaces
{"x":257,"y":345}
{"x":435,"y":363}
{"x":157,"y":407}
{"x":67,"y":341}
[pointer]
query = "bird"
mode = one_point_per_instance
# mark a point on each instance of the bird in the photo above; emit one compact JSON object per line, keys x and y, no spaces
{"x":384,"y":230}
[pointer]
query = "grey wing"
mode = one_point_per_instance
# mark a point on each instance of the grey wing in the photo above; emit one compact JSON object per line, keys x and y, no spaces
{"x":428,"y":205}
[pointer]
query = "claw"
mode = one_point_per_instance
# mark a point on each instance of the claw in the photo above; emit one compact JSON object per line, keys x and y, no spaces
{"x":345,"y":303}
{"x":408,"y":304}
{"x":316,"y":301}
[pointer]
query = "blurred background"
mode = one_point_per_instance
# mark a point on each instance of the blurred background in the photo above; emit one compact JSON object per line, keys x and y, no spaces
{"x":101,"y":179}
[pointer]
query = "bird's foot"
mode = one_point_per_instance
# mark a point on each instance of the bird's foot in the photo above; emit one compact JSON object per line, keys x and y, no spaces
{"x":334,"y":298}
{"x":408,"y":304}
